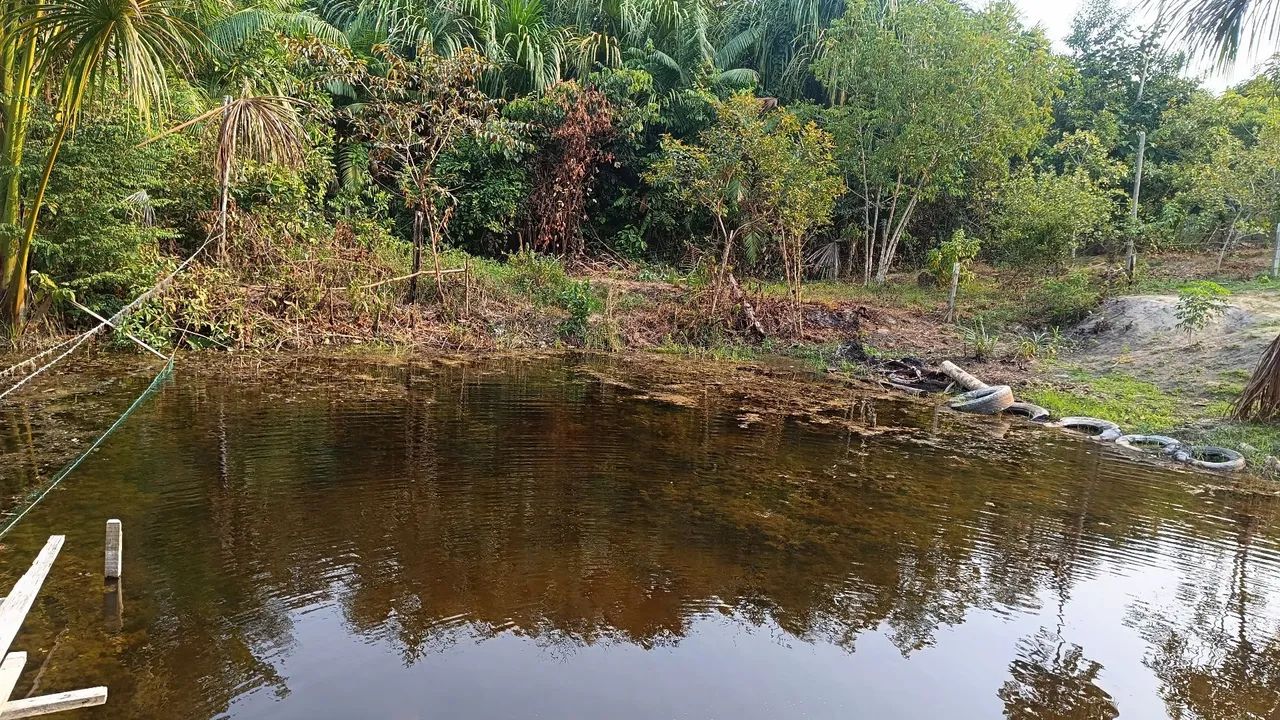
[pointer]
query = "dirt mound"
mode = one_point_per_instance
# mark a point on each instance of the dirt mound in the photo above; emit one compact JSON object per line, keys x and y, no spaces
{"x":1139,"y":334}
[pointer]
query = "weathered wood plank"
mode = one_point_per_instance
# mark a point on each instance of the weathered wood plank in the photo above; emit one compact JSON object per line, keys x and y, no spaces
{"x":115,"y":550}
{"x":10,"y":669}
{"x":15,"y":607}
{"x":58,"y":702}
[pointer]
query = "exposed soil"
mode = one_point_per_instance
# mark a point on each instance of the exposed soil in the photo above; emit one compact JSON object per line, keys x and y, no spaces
{"x":1139,"y":336}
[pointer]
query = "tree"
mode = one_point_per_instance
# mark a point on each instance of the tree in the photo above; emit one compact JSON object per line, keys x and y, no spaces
{"x":1225,"y":177}
{"x":1219,"y":26}
{"x":1065,"y":200}
{"x":69,"y":50}
{"x":415,"y":111}
{"x":573,"y":126}
{"x":1123,"y":80}
{"x":932,"y":94}
{"x":801,"y":183}
{"x":755,"y":170}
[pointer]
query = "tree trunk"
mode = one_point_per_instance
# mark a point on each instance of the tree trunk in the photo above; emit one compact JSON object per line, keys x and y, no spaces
{"x":753,"y":322}
{"x":224,"y":191}
{"x":724,"y":264}
{"x":435,"y":256}
{"x":16,"y":84}
{"x":15,"y":299}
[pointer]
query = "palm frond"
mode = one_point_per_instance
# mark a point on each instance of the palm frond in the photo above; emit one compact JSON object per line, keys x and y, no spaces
{"x":739,"y":78}
{"x":1223,"y":27}
{"x":265,"y":129}
{"x":130,"y":42}
{"x":736,"y":47}
{"x":142,"y":207}
{"x":824,"y":261}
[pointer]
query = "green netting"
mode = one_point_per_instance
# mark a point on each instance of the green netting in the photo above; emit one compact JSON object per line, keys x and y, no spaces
{"x":33,"y":499}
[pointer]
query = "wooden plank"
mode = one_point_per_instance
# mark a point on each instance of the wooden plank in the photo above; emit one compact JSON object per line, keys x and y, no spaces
{"x":58,"y":702}
{"x":15,"y":607}
{"x":115,"y":550}
{"x":10,"y":669}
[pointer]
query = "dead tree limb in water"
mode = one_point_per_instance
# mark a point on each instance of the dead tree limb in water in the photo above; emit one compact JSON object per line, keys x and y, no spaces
{"x":1261,"y":397}
{"x":753,"y":324}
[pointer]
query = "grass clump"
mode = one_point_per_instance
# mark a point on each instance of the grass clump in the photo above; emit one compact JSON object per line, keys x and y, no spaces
{"x":1135,"y":405}
{"x":1255,"y":441}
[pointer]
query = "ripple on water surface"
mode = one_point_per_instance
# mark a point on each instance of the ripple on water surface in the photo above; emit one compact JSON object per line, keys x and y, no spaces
{"x":551,"y":539}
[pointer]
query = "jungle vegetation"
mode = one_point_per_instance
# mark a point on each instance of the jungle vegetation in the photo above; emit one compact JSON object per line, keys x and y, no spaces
{"x":319,"y":150}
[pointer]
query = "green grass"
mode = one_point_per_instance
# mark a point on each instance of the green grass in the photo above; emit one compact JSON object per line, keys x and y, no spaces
{"x":907,"y":295}
{"x":1255,"y":440}
{"x":1141,"y":407}
{"x":1173,"y":286}
{"x":1135,"y":405}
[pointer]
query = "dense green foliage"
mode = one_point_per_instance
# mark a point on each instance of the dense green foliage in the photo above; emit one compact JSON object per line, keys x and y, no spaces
{"x":779,"y":139}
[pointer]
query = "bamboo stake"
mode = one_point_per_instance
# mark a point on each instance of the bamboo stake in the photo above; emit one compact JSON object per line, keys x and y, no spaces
{"x":955,"y":286}
{"x":126,"y":333}
{"x":427,"y":271}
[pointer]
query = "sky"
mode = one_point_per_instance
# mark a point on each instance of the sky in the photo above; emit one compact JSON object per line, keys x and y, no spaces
{"x":1056,"y":15}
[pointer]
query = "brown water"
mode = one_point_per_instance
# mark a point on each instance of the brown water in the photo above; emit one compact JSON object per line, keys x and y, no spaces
{"x":524,"y":540}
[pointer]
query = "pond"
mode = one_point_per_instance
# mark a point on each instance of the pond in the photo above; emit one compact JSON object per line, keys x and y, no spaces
{"x":579,"y":537}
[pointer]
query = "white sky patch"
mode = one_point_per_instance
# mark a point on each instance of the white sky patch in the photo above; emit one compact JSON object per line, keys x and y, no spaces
{"x":1055,"y":17}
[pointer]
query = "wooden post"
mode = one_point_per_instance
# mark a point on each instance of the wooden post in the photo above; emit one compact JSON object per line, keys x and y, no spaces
{"x":955,"y":286}
{"x":15,"y":607}
{"x":10,"y":670}
{"x":115,"y":550}
{"x":1130,"y":251}
{"x":113,"y":605}
{"x":1275,"y":259}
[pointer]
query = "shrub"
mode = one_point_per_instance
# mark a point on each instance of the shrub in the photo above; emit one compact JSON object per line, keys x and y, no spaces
{"x":959,"y":249}
{"x":1199,"y":303}
{"x":581,"y":303}
{"x":1041,"y":218}
{"x":1063,"y":300}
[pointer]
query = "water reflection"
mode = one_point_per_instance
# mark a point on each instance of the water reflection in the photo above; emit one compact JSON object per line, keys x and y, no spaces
{"x":556,"y":538}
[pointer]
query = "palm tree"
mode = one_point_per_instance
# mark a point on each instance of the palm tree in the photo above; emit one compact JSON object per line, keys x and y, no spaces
{"x":72,"y":50}
{"x":406,"y":26}
{"x":262,"y":128}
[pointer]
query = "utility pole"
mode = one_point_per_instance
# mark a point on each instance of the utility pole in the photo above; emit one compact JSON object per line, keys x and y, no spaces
{"x":1275,"y":259}
{"x":1130,"y":251}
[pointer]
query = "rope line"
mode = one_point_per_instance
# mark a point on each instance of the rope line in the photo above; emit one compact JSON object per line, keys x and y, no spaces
{"x":31,"y":360}
{"x":81,"y":339}
{"x":163,"y":377}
